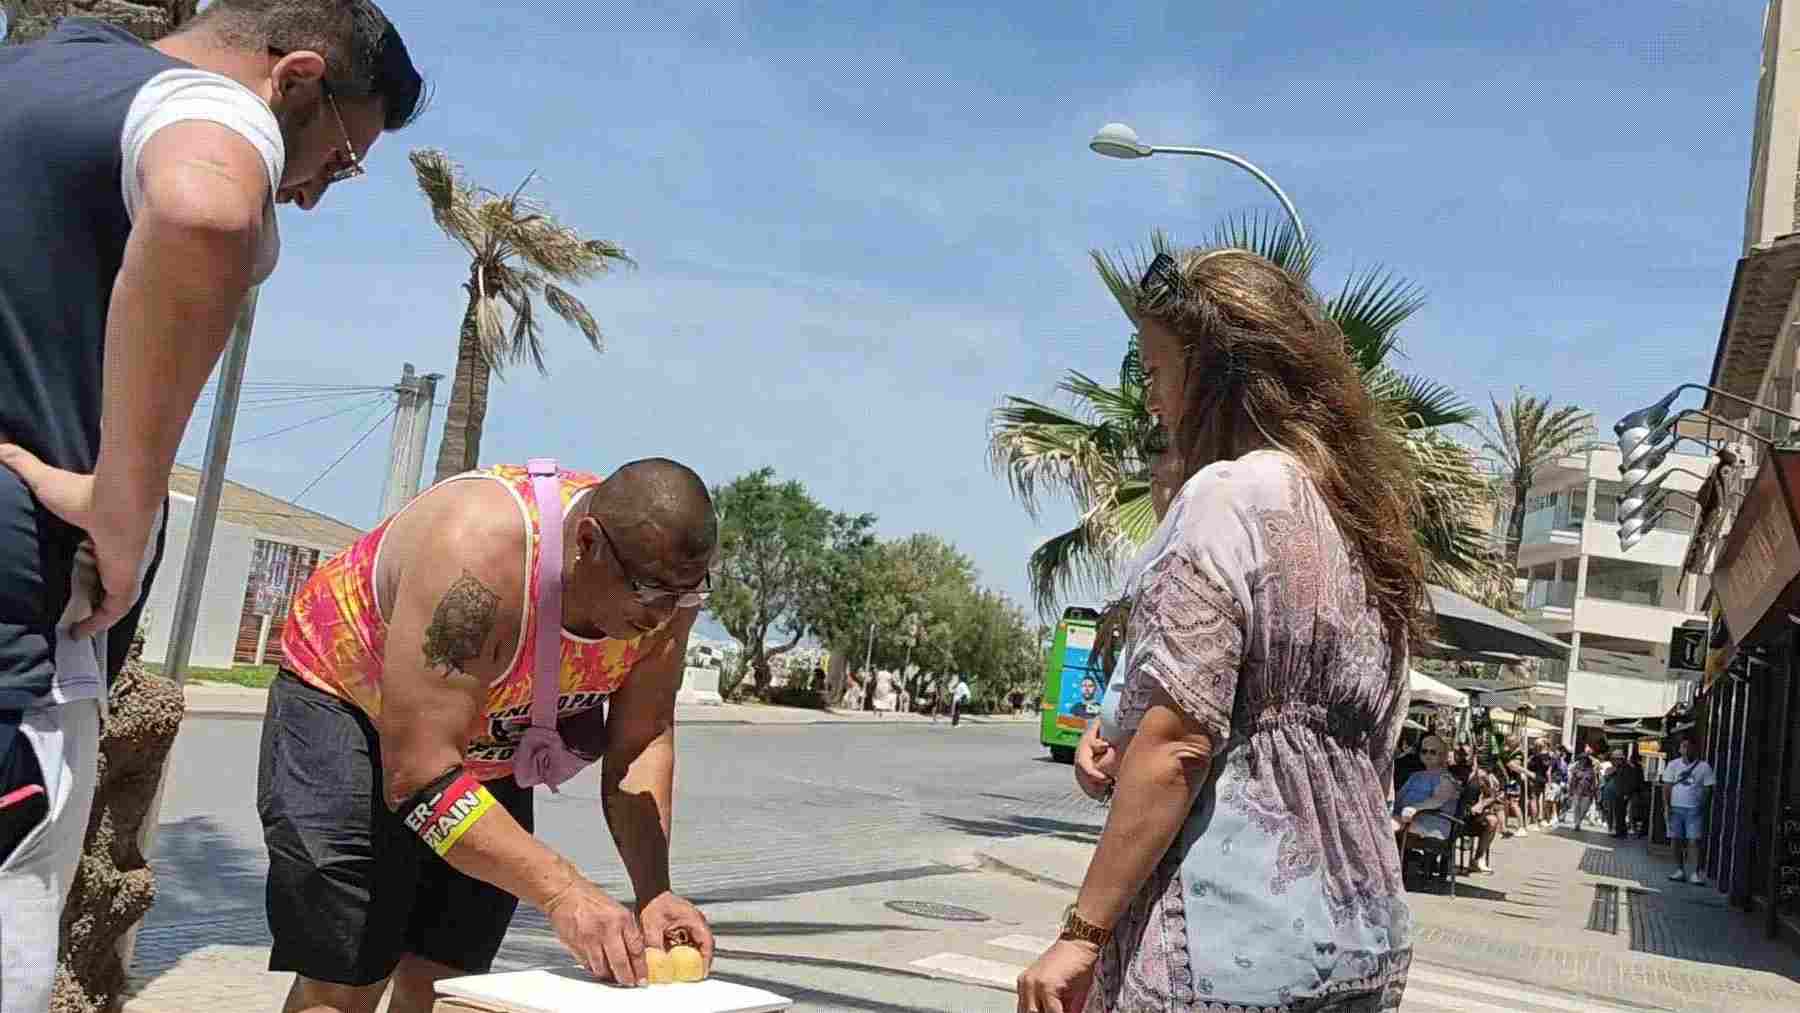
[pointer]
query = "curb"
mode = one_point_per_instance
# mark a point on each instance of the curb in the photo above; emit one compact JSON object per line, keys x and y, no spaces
{"x":989,"y":863}
{"x":240,"y":714}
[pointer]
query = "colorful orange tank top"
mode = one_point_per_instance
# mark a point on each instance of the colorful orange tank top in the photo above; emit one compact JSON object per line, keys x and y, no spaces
{"x":335,"y":636}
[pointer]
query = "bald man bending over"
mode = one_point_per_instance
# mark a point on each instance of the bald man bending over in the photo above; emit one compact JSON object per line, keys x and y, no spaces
{"x":399,"y":835}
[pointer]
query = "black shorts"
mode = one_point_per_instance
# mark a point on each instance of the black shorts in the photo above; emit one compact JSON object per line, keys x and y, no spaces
{"x":351,"y":889}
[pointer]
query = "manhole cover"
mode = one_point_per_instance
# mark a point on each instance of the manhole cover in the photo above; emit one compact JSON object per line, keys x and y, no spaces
{"x":942,"y":912}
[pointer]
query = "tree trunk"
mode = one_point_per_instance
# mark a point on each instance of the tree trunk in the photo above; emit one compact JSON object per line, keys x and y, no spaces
{"x":114,"y":886}
{"x":1515,"y":525}
{"x":460,"y":449}
{"x":147,"y":19}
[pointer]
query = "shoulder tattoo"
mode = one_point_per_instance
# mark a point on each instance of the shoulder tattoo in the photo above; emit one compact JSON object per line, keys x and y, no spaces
{"x":462,"y":623}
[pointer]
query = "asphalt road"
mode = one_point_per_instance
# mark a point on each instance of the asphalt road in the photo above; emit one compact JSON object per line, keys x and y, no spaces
{"x":798,"y":836}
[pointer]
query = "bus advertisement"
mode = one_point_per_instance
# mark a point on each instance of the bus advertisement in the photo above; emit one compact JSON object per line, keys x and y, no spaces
{"x":1073,"y":683}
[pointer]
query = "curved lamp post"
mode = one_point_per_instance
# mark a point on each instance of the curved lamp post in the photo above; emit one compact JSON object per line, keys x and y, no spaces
{"x":1116,"y":140}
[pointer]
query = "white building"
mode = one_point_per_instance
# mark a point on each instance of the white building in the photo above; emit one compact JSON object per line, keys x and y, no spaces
{"x":1615,"y":609}
{"x":263,"y":549}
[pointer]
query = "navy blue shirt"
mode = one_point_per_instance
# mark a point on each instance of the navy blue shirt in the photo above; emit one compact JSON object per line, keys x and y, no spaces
{"x":63,"y":227}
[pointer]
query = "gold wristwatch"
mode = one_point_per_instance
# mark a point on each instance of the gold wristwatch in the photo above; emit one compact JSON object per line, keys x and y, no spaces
{"x":1078,"y":928}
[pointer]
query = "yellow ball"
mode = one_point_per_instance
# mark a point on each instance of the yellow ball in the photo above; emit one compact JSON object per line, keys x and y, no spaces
{"x":662,"y":966}
{"x":688,"y":964}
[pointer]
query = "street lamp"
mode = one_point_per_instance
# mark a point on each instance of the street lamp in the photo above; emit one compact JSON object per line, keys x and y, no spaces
{"x":1116,"y":140}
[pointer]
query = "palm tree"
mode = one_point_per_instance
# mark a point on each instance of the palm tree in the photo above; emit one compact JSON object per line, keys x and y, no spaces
{"x":1093,"y":453}
{"x":1096,"y":455}
{"x":1527,"y":435}
{"x":517,"y":255}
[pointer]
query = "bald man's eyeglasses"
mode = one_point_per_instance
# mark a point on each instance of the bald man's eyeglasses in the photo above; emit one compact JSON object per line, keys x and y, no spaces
{"x":656,"y":595}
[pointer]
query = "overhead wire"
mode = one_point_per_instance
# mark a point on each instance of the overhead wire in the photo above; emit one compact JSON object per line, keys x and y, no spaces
{"x":347,"y":452}
{"x":269,"y":401}
{"x":360,"y":403}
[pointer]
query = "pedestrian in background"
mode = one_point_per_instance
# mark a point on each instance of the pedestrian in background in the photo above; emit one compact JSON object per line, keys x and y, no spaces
{"x":958,"y":696}
{"x":1584,"y":778}
{"x":1687,"y":785}
{"x":1628,"y":778}
{"x":140,"y":184}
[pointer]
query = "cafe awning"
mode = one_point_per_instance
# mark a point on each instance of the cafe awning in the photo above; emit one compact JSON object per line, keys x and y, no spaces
{"x":1510,"y":720}
{"x":1425,"y":689}
{"x":1469,"y":629}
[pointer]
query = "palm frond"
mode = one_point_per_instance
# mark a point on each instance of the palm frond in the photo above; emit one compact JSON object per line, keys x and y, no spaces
{"x":563,"y":253}
{"x":451,"y":201}
{"x":1121,"y":272}
{"x":491,"y":332}
{"x":1131,"y":367}
{"x":1123,"y":407}
{"x":1272,"y":237}
{"x":1452,"y":512}
{"x":1369,"y":310}
{"x":1420,"y":402}
{"x":1040,"y":448}
{"x":1131,"y":515}
{"x":527,"y":338}
{"x":1072,"y":562}
{"x":574,"y":312}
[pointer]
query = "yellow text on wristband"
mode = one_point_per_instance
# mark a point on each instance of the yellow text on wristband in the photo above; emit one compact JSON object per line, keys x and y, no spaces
{"x":443,"y":816}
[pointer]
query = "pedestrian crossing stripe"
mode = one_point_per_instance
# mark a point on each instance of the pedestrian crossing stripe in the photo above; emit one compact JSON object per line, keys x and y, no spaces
{"x":1429,"y":989}
{"x":1424,"y":982}
{"x":961,"y":965}
{"x":1024,"y":944}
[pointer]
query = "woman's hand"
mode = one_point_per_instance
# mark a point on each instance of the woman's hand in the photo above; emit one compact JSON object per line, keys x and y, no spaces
{"x":1096,"y":764}
{"x":1060,"y":980}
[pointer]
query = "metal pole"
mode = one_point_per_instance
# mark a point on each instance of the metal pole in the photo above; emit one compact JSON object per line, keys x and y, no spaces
{"x":199,"y":546}
{"x":1244,"y":164}
{"x":422,"y":409}
{"x":399,"y":443}
{"x":212,"y":487}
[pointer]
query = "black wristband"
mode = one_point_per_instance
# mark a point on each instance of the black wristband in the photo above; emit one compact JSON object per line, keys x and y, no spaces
{"x":428,"y":795}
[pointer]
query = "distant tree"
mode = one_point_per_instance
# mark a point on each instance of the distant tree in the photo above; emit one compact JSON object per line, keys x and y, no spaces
{"x":1527,"y":435}
{"x":776,"y":550}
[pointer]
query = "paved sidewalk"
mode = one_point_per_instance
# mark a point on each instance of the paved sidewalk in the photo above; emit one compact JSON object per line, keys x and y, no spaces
{"x":226,"y":700}
{"x":830,"y":950}
{"x":1576,"y":912}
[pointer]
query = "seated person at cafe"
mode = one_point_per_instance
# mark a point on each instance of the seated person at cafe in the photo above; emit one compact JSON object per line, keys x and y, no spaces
{"x":1406,"y":765}
{"x":1421,"y":804}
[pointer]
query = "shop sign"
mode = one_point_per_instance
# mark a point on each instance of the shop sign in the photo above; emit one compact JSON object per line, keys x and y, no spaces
{"x":1757,"y":579}
{"x":1718,"y":647}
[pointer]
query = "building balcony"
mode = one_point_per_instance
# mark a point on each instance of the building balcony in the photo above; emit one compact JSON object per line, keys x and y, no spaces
{"x":1627,"y":614}
{"x":1549,"y":594}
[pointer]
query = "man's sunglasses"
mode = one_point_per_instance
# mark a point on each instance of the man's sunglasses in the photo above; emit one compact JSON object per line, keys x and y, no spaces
{"x":656,"y":595}
{"x":348,"y":164}
{"x":1161,"y":285}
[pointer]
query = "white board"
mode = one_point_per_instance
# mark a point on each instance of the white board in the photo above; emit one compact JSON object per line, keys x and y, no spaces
{"x":573,"y":990}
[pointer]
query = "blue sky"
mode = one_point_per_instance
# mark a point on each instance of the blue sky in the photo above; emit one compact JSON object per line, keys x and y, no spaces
{"x":859,"y":225}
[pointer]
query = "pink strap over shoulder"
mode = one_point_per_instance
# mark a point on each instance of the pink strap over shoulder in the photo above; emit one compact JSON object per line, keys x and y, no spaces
{"x":542,"y":758}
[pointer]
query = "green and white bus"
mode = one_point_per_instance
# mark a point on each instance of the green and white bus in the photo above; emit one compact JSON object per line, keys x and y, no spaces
{"x":1074,"y":685}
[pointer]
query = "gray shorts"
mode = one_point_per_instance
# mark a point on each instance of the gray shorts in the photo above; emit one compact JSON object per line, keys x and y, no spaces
{"x":64,"y":741}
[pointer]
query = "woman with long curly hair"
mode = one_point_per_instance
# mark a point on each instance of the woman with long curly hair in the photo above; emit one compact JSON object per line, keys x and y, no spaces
{"x":1247,"y":861}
